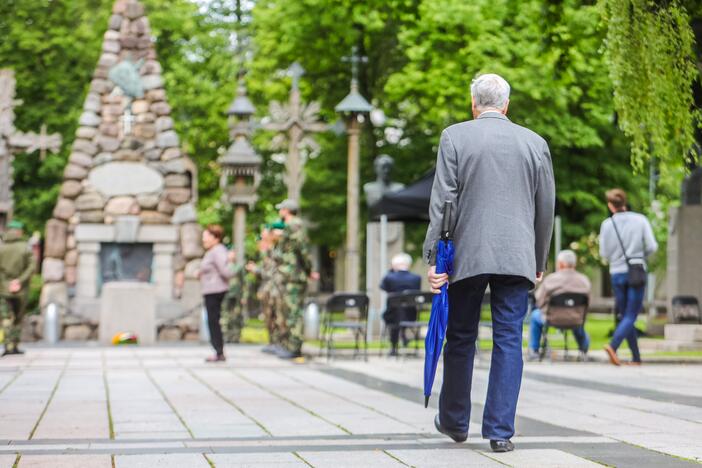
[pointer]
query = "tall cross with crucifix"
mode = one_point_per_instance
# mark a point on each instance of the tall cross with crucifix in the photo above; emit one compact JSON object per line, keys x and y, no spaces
{"x":14,"y":142}
{"x":295,"y":122}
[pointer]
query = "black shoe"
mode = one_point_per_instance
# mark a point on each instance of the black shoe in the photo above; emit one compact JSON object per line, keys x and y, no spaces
{"x":285,"y":354}
{"x":9,"y":352}
{"x":456,"y":436}
{"x":501,"y":446}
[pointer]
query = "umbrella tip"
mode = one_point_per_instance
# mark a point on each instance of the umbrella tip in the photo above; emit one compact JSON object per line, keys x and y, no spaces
{"x":426,"y":401}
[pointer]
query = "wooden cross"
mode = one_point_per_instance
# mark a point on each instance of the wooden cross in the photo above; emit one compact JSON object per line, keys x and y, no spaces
{"x":295,"y":122}
{"x":15,"y":142}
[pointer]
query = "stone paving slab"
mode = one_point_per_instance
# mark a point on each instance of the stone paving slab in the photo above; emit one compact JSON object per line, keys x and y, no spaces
{"x":439,"y":458}
{"x":65,"y":461}
{"x":256,"y":460}
{"x":544,"y":458}
{"x":161,"y":461}
{"x":168,"y":408}
{"x":364,"y":459}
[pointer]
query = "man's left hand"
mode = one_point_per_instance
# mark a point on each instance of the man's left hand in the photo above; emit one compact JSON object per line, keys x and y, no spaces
{"x":15,"y":286}
{"x":436,"y":280}
{"x":539,"y":276}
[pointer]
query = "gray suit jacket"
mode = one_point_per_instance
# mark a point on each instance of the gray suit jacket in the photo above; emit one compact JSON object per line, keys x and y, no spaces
{"x":500,"y":179}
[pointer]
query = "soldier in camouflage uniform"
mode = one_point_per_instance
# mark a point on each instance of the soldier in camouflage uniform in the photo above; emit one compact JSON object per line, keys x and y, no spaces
{"x":294,"y":265}
{"x":233,"y":319}
{"x":270,"y":292}
{"x":16,"y":268}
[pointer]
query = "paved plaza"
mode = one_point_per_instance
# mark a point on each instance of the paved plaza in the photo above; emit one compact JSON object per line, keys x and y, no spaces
{"x":164,"y":407}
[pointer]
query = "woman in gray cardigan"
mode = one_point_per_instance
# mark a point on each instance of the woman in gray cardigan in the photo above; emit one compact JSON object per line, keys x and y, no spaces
{"x":215,"y":271}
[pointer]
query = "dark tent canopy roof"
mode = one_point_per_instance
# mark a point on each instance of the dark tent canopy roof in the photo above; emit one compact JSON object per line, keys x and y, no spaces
{"x":409,"y":204}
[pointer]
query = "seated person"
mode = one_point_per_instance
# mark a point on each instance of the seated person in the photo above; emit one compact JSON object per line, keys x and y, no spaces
{"x":564,"y":280}
{"x":399,"y":279}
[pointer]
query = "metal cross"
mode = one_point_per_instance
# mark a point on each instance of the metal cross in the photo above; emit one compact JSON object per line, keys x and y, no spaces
{"x":355,"y":59}
{"x":14,"y":142}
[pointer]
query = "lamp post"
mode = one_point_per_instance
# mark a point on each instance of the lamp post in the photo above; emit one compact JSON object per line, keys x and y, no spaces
{"x":352,"y":107}
{"x":240,"y":167}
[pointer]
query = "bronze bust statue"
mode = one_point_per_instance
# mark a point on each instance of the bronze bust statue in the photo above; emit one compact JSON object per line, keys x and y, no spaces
{"x":375,"y":190}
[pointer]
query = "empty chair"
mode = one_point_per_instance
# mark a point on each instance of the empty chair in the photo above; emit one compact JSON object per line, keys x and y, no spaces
{"x":566,"y":312}
{"x":346,"y":311}
{"x":686,"y":309}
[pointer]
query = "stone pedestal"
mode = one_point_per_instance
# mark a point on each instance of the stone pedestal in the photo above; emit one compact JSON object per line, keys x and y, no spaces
{"x":375,"y":270}
{"x":128,"y":307}
{"x":684,"y":275}
{"x":683,"y":337}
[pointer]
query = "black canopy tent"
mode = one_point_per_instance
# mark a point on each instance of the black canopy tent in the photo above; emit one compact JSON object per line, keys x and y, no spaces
{"x":411,"y":204}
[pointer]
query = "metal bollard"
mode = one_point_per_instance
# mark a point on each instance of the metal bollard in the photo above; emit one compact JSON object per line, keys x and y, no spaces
{"x":204,"y":326}
{"x":311,"y":323}
{"x":51,"y":324}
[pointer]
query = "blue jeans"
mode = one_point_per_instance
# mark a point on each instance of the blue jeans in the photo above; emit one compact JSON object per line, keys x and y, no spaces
{"x":628,"y":302}
{"x":508,"y":296}
{"x":536,"y":325}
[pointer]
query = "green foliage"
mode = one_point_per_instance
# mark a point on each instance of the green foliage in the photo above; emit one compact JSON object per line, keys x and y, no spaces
{"x":650,"y":53}
{"x":53,"y":47}
{"x":421,"y":57}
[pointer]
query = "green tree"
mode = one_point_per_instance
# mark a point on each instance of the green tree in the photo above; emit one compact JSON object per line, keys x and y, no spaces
{"x":652,"y":67}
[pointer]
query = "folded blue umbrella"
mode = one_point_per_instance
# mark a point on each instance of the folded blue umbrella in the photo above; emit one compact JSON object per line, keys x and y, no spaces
{"x":434,"y":341}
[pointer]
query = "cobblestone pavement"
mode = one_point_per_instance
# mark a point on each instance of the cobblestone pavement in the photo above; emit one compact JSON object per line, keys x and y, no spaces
{"x":164,"y":407}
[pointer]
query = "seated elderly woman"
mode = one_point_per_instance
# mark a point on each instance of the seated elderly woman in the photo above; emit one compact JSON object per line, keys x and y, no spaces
{"x":397,"y":280}
{"x":564,"y":280}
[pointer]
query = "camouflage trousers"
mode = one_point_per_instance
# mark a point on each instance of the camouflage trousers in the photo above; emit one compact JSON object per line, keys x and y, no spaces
{"x":294,"y":316}
{"x":12,"y":311}
{"x":270,"y":307}
{"x":232,"y":319}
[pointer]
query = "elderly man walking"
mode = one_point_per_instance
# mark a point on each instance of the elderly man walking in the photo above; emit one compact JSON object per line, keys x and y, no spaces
{"x":499,"y":177}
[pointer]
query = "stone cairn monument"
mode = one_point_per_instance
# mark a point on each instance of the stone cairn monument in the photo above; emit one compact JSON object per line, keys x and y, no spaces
{"x":125,"y":223}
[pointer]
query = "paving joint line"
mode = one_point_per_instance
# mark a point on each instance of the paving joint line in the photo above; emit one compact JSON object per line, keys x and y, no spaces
{"x":165,"y":398}
{"x":228,"y":401}
{"x":397,"y":459}
{"x":277,"y":395}
{"x":110,"y":421}
{"x":51,"y":396}
{"x":302,"y":459}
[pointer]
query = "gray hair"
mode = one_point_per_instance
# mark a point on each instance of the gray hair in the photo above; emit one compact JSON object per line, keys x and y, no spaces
{"x":489,"y":91}
{"x":401,"y":261}
{"x":568,"y":257}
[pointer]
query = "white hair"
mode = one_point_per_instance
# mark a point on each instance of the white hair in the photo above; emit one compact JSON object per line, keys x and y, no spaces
{"x":489,"y":91}
{"x":402,"y":262}
{"x":568,"y":257}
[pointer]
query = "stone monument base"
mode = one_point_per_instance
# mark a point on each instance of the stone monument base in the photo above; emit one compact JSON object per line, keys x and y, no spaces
{"x":128,"y":307}
{"x":375,"y":271}
{"x":683,"y":337}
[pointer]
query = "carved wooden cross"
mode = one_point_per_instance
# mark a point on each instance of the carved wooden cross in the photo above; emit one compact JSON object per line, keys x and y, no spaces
{"x":295,"y":122}
{"x":15,"y":142}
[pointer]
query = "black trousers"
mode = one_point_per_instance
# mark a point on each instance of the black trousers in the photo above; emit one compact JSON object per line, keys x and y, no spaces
{"x":392,"y":318}
{"x":509,"y":296}
{"x":213,"y":304}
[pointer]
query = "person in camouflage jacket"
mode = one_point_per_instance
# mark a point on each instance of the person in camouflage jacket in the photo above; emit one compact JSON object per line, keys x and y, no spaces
{"x":233,"y":319}
{"x":16,"y":268}
{"x":294,"y":266}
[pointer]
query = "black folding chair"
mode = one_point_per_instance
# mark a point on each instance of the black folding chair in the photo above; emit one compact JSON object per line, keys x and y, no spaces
{"x":566,"y":312}
{"x":347,"y":311}
{"x":686,"y":309}
{"x":413,"y":302}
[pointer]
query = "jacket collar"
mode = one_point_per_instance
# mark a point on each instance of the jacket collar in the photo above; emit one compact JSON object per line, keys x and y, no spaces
{"x":492,"y":115}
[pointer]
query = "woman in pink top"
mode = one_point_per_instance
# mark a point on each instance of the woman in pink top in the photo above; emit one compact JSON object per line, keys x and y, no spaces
{"x":214,"y":276}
